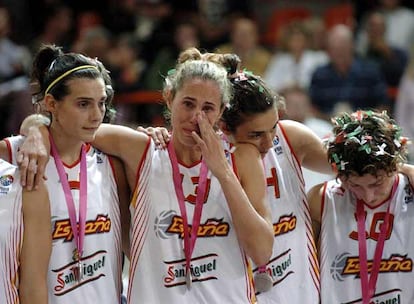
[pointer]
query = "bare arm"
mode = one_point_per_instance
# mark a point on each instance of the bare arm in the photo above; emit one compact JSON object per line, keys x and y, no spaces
{"x":312,"y":153}
{"x":123,"y":142}
{"x":246,"y":198}
{"x":308,"y":147}
{"x":408,"y":170}
{"x":160,"y":135}
{"x":250,"y":210}
{"x":126,"y":144}
{"x":36,"y":248}
{"x":124,"y":200}
{"x":315,"y":204}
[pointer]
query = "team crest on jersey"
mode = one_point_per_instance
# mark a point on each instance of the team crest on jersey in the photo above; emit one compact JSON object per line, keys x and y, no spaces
{"x":203,"y":268}
{"x":169,"y":224}
{"x":5,"y":183}
{"x":345,"y":265}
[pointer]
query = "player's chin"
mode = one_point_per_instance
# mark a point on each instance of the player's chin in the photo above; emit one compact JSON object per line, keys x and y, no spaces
{"x":88,"y":136}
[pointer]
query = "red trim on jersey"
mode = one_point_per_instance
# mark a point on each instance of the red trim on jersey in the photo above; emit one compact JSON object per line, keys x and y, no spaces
{"x":9,"y":150}
{"x":189,"y":166}
{"x":233,"y":163}
{"x":87,"y":148}
{"x":282,"y":129}
{"x":297,"y":166}
{"x":325,"y":184}
{"x":110,"y":159}
{"x":144,"y":155}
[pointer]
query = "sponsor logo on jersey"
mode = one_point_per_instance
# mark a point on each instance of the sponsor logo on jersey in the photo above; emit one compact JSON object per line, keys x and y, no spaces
{"x":409,"y":195}
{"x":346,"y":265}
{"x":393,"y":296}
{"x":285,"y":224}
{"x":203,"y":268}
{"x":276,"y":145}
{"x":65,"y":278}
{"x":169,"y":224}
{"x":99,"y":155}
{"x":279,"y":267}
{"x":63,"y":230}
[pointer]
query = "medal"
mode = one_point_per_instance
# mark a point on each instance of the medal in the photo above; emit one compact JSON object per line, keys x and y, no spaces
{"x":190,"y":237}
{"x":80,"y":270}
{"x":78,"y":227}
{"x":369,"y":276}
{"x":262,"y":280}
{"x":188,"y":279}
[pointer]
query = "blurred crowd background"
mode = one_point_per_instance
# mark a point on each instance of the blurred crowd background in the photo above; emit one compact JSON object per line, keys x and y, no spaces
{"x":323,"y":56}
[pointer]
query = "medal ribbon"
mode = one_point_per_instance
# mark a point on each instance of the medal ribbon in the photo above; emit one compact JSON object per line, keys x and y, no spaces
{"x":368,"y":285}
{"x":189,"y":240}
{"x":77,"y":230}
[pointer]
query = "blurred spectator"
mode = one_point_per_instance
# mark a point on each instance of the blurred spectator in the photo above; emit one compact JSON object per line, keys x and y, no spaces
{"x":299,"y":108}
{"x":316,"y":29}
{"x":125,"y":64}
{"x":57,"y":27}
{"x":120,"y":16}
{"x":346,"y":82}
{"x":399,"y":22}
{"x":391,"y":60}
{"x":185,"y":36}
{"x":153,"y":30}
{"x":404,"y":107}
{"x":15,"y":95}
{"x":94,"y":42}
{"x":244,"y":41}
{"x":127,"y":69}
{"x":149,"y":14}
{"x":215,"y":17}
{"x":295,"y":64}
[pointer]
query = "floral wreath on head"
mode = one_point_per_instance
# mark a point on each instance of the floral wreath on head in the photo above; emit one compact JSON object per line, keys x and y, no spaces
{"x":247,"y":78}
{"x":350,"y":129}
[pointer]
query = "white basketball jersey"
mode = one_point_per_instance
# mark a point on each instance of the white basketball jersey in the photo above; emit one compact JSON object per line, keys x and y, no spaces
{"x":294,"y":265}
{"x":340,"y":278}
{"x":11,"y":232}
{"x":101,"y":282}
{"x":219,"y":268}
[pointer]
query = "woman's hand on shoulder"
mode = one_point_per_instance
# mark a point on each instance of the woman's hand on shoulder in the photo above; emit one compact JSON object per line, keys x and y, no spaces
{"x":33,"y":156}
{"x":160,"y":135}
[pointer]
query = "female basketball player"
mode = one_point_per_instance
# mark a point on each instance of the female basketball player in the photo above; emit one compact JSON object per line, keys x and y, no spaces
{"x":252,"y":117}
{"x":365,"y":217}
{"x":85,"y":265}
{"x":25,"y":241}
